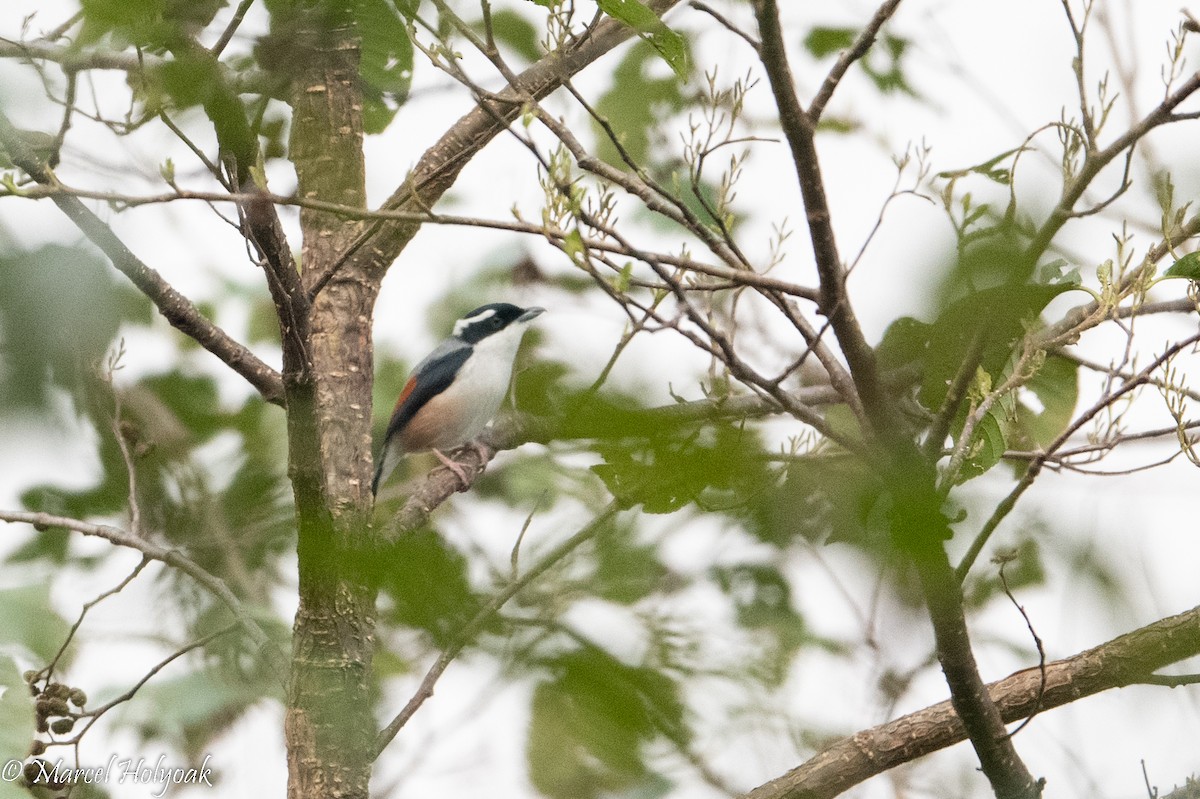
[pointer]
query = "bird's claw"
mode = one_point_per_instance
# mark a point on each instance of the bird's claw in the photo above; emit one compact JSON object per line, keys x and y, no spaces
{"x":456,"y":467}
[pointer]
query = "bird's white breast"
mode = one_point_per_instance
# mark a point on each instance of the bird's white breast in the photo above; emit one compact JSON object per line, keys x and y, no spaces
{"x":481,"y":385}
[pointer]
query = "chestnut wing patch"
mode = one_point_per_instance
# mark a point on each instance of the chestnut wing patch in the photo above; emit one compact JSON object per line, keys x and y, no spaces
{"x":427,"y":382}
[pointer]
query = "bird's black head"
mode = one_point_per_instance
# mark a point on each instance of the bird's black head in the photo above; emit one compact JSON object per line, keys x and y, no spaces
{"x":492,"y":318}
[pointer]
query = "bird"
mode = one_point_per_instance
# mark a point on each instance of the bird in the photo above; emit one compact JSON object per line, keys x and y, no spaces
{"x":455,"y":391}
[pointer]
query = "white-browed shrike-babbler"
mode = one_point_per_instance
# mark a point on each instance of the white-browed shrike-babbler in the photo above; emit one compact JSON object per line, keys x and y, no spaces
{"x":452,"y":395}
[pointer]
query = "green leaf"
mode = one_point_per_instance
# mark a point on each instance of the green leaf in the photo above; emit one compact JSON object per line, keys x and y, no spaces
{"x":190,"y":710}
{"x":762,"y":598}
{"x":996,"y":318}
{"x":626,"y":571}
{"x":427,"y":583}
{"x":28,"y":620}
{"x":1056,"y":386}
{"x":633,"y":106}
{"x":905,"y":341}
{"x":17,"y":724}
{"x":1186,"y":267}
{"x":59,"y":312}
{"x":590,"y":720}
{"x":824,"y":41}
{"x":512,"y":29}
{"x":722,"y":464}
{"x":669,"y":44}
{"x":888,"y":78}
{"x":987,"y":445}
{"x":386,"y":64}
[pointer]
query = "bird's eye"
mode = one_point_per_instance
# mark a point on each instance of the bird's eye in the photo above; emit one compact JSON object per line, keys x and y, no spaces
{"x":497,"y":323}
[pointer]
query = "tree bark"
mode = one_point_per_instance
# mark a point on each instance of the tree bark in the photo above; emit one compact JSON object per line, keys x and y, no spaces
{"x":329,"y":726}
{"x":1123,"y":661}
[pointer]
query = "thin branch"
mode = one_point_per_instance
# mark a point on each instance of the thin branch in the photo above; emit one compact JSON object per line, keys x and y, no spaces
{"x":122,"y":538}
{"x":1170,"y":680}
{"x":857,"y":50}
{"x":231,"y":28}
{"x":725,"y":23}
{"x":1041,"y":650}
{"x":48,"y":672}
{"x":800,"y":130}
{"x":94,"y":715}
{"x":1035,"y":466}
{"x":1096,"y":160}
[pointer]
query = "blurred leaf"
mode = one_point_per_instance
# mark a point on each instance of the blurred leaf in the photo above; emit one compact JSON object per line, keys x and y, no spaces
{"x":427,"y":583}
{"x":633,"y":106}
{"x":386,"y":61}
{"x":145,"y":23}
{"x":822,"y":41}
{"x":882,"y":63}
{"x":191,"y":710}
{"x":760,"y":593}
{"x":590,"y":720}
{"x":17,"y":725}
{"x":762,"y":598}
{"x":666,"y":42}
{"x":44,"y":146}
{"x":987,"y":445}
{"x":905,"y":341}
{"x":993,"y":317}
{"x":194,"y":76}
{"x":1186,"y":267}
{"x":626,"y":571}
{"x":512,"y":29}
{"x":889,"y":77}
{"x":1056,"y":386}
{"x":190,"y":401}
{"x":51,"y":545}
{"x":59,"y":313}
{"x":667,"y":473}
{"x":822,"y":498}
{"x":28,"y":620}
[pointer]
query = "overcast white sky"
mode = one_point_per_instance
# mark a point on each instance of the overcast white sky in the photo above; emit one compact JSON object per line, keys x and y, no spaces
{"x":991,"y":72}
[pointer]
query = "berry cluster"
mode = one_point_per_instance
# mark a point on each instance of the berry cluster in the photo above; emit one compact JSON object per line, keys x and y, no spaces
{"x":52,"y":706}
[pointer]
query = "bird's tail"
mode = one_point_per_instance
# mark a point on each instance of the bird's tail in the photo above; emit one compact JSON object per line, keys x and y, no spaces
{"x":386,"y":462}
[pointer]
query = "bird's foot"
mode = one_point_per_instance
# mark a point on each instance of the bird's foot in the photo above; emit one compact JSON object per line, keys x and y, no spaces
{"x":455,"y":467}
{"x":482,"y":450}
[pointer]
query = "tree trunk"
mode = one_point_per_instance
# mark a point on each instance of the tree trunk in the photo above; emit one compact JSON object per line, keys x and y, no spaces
{"x":329,"y":726}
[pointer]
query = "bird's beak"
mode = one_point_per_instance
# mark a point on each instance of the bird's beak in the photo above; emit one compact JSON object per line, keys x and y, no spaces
{"x":530,"y":313}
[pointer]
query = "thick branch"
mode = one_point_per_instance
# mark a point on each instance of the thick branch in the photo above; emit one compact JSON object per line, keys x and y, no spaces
{"x":1126,"y":660}
{"x":917,"y":523}
{"x":380,"y":244}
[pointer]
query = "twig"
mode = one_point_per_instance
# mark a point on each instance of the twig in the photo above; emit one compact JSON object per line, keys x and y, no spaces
{"x":231,"y":28}
{"x":862,"y":43}
{"x":1041,"y":650}
{"x":1035,"y":466}
{"x":94,"y":715}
